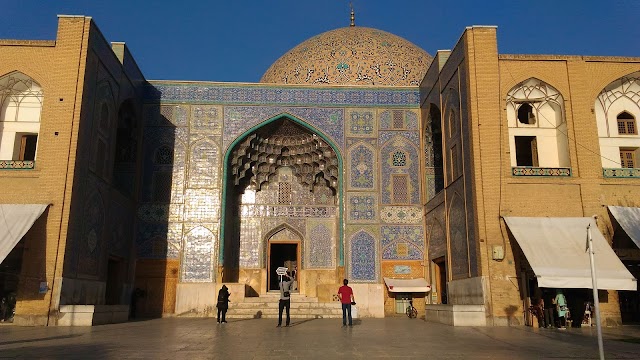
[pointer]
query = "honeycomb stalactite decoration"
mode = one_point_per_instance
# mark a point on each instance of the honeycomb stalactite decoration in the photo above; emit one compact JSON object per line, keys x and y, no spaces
{"x":255,"y":160}
{"x":351,"y":56}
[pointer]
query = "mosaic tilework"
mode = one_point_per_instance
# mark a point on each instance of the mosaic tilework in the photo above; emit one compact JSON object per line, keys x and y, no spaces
{"x":166,"y":115}
{"x":121,"y":230}
{"x":230,"y":94}
{"x":204,"y":164}
{"x":361,"y":122}
{"x":363,"y":257}
{"x":436,"y":235}
{"x":401,"y":214}
{"x":92,"y":233}
{"x":398,"y":120}
{"x":202,"y":205}
{"x":361,"y":207}
{"x":321,"y":244}
{"x":197,"y":262}
{"x":458,"y":239}
{"x":411,"y":168}
{"x":395,"y":239}
{"x":206,"y":118}
{"x":273,"y":225}
{"x":238,"y":119}
{"x":250,"y":242}
{"x":362,"y":167}
{"x":412,"y":136}
{"x":351,"y":55}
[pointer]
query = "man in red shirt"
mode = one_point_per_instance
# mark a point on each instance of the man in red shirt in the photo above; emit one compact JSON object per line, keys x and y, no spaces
{"x":346,"y":298}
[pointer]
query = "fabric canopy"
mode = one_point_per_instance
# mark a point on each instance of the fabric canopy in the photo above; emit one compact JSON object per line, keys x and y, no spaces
{"x":15,"y":221}
{"x":629,"y":219}
{"x":556,"y":250}
{"x":407,"y":285}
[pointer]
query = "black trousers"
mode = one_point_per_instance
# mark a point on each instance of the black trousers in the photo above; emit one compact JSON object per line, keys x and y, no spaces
{"x":284,"y":304}
{"x":223,"y":311}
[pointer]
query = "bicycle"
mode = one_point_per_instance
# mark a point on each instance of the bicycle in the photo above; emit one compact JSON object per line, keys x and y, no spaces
{"x":412,"y":313}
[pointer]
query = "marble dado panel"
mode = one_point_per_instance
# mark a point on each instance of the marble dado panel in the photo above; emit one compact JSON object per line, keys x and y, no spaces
{"x":401,"y":214}
{"x":226,"y":94}
{"x":402,"y":242}
{"x":239,"y":119}
{"x":361,"y":123}
{"x":321,"y":244}
{"x":362,"y":207}
{"x":398,"y":119}
{"x":361,"y":164}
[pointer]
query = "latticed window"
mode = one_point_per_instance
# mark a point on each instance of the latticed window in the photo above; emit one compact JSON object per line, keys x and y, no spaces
{"x":626,"y":124}
{"x":400,"y":188}
{"x":399,"y":158}
{"x":628,"y":158}
{"x":284,"y":193}
{"x":398,"y":119}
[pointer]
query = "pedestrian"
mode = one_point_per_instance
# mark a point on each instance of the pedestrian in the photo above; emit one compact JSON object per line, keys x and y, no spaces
{"x":285,"y":298}
{"x":294,"y":276}
{"x":223,"y":304}
{"x":345,"y":293}
{"x":549,"y":308}
{"x":561,"y":305}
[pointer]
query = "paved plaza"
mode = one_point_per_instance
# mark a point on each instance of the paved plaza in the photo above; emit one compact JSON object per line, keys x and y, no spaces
{"x":400,"y":338}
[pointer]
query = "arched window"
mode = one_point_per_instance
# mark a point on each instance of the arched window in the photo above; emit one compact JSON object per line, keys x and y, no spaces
{"x":537,"y":128}
{"x":20,"y":107}
{"x":626,"y":124}
{"x":616,"y":109}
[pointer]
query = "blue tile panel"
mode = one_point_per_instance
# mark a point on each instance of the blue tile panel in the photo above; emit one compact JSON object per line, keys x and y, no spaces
{"x":402,"y":242}
{"x":363,"y":257}
{"x":236,"y":94}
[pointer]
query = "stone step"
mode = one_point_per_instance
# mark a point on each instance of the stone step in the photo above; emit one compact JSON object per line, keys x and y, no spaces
{"x":294,"y":305}
{"x":292,"y":312}
{"x":275,"y":316}
{"x":276,"y":298}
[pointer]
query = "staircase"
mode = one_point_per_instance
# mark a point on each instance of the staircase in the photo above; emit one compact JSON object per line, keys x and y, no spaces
{"x":266,"y":306}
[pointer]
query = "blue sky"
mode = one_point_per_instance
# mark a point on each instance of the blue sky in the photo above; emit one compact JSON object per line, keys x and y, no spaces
{"x":230,"y":40}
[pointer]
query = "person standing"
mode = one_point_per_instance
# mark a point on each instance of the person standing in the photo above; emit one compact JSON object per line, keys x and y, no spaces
{"x":285,"y":298}
{"x":345,"y":293}
{"x":549,"y":308}
{"x":223,"y":304}
{"x":561,"y":304}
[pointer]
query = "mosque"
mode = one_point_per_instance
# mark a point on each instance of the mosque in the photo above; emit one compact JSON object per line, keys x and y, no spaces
{"x":466,"y":182}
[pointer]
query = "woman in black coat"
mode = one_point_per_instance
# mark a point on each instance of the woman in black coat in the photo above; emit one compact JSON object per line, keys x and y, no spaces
{"x":223,"y":303}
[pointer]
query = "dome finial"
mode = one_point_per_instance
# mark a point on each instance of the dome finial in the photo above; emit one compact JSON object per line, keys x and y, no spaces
{"x":353,"y":15}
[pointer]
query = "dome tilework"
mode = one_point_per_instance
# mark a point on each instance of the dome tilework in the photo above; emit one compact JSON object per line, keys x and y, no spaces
{"x":351,"y":56}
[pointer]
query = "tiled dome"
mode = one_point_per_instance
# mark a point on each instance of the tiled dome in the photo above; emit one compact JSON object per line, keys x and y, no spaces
{"x":351,"y":56}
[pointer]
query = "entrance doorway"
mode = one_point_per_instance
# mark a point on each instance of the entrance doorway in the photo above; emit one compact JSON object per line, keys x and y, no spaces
{"x":281,"y":254}
{"x":441,"y":279}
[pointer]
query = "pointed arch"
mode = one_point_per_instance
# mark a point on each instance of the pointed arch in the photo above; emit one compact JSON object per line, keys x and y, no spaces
{"x":21,"y":99}
{"x":458,"y":238}
{"x":617,"y":108}
{"x":399,"y":179}
{"x":537,"y":125}
{"x":226,"y":179}
{"x":198,"y":247}
{"x":362,"y":172}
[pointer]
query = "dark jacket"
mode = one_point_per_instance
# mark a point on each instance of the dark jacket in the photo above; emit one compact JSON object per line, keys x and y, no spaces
{"x":223,"y":298}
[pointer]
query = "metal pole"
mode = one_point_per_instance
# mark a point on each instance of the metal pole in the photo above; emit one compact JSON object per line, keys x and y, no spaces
{"x":596,"y":301}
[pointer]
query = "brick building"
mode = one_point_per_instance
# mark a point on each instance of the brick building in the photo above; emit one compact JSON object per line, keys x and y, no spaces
{"x":357,"y":155}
